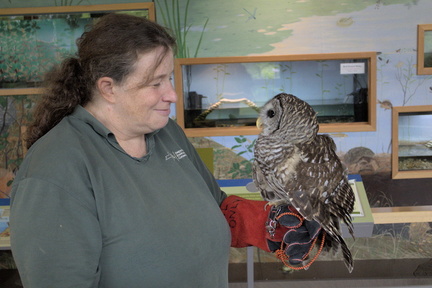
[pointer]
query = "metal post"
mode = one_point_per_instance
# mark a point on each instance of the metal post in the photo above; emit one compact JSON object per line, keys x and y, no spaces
{"x":250,"y":267}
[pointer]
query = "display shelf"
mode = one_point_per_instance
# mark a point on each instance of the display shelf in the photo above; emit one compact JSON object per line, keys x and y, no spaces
{"x":407,"y":214}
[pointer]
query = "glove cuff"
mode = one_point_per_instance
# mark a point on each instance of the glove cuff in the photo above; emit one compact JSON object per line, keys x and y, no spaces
{"x":247,"y":220}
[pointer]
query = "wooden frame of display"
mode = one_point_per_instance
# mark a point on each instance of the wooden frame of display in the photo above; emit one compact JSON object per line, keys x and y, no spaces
{"x":396,"y":172}
{"x":422,"y":67}
{"x":369,"y":125}
{"x":403,"y":214}
{"x":81,"y":8}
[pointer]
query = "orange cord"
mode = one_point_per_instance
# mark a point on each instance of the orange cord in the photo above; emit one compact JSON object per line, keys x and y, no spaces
{"x":292,"y":214}
{"x":280,"y":254}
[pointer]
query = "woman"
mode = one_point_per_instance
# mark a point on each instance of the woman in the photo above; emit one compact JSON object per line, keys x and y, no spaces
{"x":111,"y":193}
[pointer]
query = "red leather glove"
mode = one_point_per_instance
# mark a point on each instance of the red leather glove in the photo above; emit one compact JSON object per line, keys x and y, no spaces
{"x":273,"y":229}
{"x":247,"y":220}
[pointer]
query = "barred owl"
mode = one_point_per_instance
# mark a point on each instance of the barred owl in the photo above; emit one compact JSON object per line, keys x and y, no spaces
{"x":295,"y":165}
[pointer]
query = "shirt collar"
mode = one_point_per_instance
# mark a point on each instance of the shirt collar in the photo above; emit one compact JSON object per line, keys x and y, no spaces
{"x":82,"y":114}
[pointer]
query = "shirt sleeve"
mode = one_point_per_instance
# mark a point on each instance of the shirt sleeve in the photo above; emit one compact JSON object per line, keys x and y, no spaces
{"x":62,"y":247}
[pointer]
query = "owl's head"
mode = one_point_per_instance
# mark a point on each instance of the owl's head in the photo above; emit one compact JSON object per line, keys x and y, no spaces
{"x":289,"y":118}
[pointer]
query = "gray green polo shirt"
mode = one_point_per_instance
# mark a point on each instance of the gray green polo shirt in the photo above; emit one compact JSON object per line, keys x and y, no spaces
{"x":86,"y":214}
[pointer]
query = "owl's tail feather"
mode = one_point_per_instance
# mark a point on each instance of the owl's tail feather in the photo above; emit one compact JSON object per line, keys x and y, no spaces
{"x":344,"y":205}
{"x":347,"y":256}
{"x":335,"y":241}
{"x":332,"y":246}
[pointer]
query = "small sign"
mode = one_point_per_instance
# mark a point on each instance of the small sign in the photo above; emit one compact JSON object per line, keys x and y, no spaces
{"x":352,"y":68}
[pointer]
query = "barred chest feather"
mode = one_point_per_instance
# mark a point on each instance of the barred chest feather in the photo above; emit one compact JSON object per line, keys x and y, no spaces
{"x":278,"y":159}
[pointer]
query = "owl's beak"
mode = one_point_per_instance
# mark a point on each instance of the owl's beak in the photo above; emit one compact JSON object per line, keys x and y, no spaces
{"x":259,"y":123}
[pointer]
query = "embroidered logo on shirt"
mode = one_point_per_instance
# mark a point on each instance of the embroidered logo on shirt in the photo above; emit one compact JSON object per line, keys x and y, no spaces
{"x":175,"y":155}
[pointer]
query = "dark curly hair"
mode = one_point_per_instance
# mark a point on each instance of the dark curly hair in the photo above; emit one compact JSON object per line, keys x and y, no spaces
{"x":109,"y":49}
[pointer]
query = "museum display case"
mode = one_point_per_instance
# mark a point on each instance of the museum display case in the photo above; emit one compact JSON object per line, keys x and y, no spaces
{"x":412,"y":142}
{"x":424,"y":49}
{"x":34,"y":39}
{"x":222,"y":95}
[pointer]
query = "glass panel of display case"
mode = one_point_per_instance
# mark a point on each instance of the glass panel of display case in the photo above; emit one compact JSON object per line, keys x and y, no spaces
{"x":222,"y":96}
{"x":34,"y":39}
{"x":412,"y":142}
{"x":15,"y":117}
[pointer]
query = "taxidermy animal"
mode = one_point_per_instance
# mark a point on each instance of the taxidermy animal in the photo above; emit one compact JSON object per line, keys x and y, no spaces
{"x":296,"y":166}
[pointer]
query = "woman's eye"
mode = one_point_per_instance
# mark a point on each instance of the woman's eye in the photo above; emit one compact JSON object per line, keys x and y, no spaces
{"x":270,"y":113}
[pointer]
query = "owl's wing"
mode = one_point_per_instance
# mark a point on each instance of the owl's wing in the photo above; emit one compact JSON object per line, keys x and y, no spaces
{"x":321,"y":189}
{"x":322,"y":192}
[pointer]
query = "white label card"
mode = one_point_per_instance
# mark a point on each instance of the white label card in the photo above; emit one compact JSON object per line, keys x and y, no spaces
{"x":352,"y":68}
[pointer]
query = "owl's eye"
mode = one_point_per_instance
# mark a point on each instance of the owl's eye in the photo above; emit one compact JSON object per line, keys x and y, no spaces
{"x":270,"y":113}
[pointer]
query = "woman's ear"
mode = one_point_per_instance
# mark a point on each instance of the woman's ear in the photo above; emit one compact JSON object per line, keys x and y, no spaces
{"x":105,"y":86}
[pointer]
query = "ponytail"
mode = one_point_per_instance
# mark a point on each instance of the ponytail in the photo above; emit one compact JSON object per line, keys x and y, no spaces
{"x":65,"y":89}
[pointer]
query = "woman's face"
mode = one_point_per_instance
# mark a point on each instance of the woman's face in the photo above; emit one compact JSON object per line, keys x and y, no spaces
{"x":143,"y":106}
